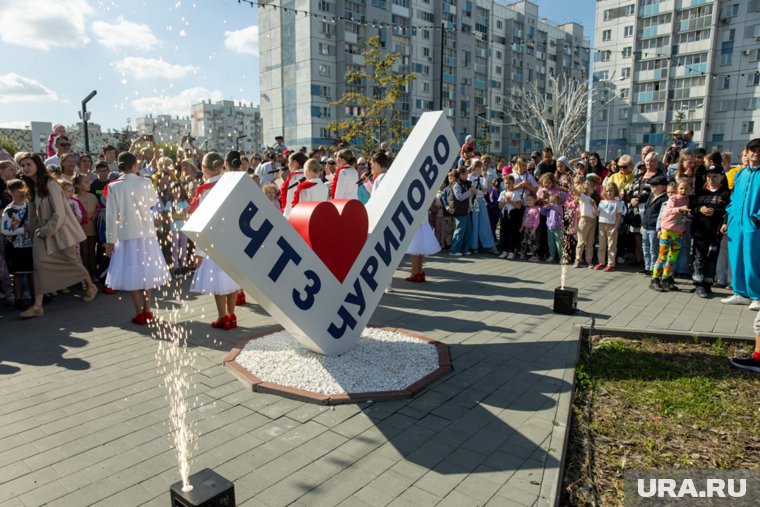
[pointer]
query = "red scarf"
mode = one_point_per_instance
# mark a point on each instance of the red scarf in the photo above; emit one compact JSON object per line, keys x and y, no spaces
{"x":301,"y":186}
{"x":334,"y":183}
{"x":284,"y":189}
{"x":196,"y":200}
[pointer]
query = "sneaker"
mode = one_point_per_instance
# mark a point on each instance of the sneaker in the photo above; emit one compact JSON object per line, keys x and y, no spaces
{"x":701,"y":292}
{"x":592,"y":266}
{"x":551,"y":260}
{"x":746,"y":364}
{"x":577,"y":265}
{"x":655,"y":285}
{"x":736,"y":299}
{"x":455,"y":254}
{"x":511,"y":256}
{"x":719,"y":285}
{"x":607,"y":269}
{"x":598,"y":267}
{"x":668,"y":285}
{"x":494,"y":251}
{"x":754,"y":305}
{"x":535,"y":258}
{"x":503,"y":255}
{"x":468,"y":252}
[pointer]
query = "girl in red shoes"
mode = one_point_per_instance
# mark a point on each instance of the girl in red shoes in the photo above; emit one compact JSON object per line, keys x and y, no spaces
{"x":209,"y":278}
{"x":137,"y":264}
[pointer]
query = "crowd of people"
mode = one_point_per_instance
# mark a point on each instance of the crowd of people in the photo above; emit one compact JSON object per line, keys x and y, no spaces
{"x":115,"y":220}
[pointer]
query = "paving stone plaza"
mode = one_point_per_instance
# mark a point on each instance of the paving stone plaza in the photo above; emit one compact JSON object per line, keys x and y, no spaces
{"x":84,"y":420}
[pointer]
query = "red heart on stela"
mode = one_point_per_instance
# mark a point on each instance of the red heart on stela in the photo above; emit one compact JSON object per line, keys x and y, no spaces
{"x":336,"y":231}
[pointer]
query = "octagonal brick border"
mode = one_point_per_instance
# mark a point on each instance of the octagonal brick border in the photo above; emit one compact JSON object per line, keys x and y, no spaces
{"x":262,"y":386}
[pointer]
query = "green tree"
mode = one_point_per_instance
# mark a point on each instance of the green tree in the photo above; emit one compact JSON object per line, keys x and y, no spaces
{"x":170,"y":150}
{"x":8,"y":145}
{"x":377,"y":120}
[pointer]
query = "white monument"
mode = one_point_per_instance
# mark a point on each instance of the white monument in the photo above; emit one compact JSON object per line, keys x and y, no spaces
{"x":240,"y":229}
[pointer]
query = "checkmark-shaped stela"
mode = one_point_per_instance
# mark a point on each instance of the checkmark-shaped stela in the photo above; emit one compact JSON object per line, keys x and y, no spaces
{"x":247,"y":236}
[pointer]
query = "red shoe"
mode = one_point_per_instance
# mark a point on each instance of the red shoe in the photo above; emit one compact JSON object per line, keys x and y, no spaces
{"x":411,"y":278}
{"x":240,"y":301}
{"x":139,"y":319}
{"x":232,"y":323}
{"x":599,"y":267}
{"x":223,"y":322}
{"x":420,"y":277}
{"x":109,"y":291}
{"x":609,"y":268}
{"x":148,"y":316}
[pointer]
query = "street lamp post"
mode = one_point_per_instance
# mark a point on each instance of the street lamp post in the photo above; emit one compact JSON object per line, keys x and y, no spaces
{"x":237,"y":141}
{"x":85,"y":118}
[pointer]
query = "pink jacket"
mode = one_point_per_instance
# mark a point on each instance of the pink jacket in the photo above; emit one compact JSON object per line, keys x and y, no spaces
{"x":672,"y":218}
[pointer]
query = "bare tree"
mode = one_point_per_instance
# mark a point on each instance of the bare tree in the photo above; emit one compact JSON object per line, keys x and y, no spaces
{"x":557,"y":116}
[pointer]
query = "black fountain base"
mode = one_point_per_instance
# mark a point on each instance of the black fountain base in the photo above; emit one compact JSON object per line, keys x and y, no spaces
{"x":565,"y":300}
{"x":209,"y":490}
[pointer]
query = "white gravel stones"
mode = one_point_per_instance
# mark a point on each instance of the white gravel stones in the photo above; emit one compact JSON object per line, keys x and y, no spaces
{"x":381,"y":361}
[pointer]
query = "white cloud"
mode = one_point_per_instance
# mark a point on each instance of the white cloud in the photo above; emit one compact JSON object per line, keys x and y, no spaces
{"x":42,"y":24}
{"x":15,"y":88}
{"x":245,"y":41}
{"x":175,"y":104}
{"x":151,"y":68}
{"x":124,"y":34}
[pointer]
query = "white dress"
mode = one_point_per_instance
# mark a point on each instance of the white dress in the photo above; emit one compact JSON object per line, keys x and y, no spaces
{"x":424,"y":242}
{"x":137,"y":262}
{"x":209,"y":278}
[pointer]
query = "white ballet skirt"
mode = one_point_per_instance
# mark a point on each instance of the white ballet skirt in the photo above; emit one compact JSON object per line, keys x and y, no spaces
{"x":137,"y":264}
{"x":211,"y":279}
{"x":424,"y":242}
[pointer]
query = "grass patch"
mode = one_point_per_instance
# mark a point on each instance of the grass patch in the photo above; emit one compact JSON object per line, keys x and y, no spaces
{"x":646,"y":404}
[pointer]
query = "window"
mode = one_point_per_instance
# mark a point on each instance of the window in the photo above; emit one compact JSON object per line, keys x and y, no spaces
{"x":426,"y":34}
{"x":725,"y":83}
{"x":627,"y":52}
{"x":324,"y":6}
{"x":628,"y":31}
{"x":753,"y":79}
{"x":625,"y":73}
{"x":622,"y":133}
{"x":725,"y":59}
{"x":324,"y":70}
{"x":426,"y":86}
{"x":748,"y":127}
{"x":606,"y":35}
{"x":324,"y":49}
{"x":426,"y":52}
{"x":623,"y":115}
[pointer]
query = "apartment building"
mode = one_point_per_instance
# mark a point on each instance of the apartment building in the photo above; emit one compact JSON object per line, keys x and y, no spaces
{"x":164,"y":128}
{"x":226,"y":125}
{"x":660,"y":63}
{"x":467,"y":56}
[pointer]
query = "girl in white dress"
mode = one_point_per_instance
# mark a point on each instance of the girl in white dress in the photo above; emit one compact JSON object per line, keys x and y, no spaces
{"x":311,"y":187}
{"x":137,"y":264}
{"x":209,"y":278}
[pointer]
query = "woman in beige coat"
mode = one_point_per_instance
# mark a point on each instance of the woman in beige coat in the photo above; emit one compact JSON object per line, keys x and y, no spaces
{"x":57,"y":233}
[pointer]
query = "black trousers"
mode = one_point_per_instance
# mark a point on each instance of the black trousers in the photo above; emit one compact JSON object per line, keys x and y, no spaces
{"x":704,"y":255}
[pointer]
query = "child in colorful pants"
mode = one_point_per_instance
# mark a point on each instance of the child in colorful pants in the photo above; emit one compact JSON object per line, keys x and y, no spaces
{"x":673,"y":225}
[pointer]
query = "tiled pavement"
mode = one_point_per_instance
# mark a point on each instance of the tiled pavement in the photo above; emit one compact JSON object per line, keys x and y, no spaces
{"x":83,"y":419}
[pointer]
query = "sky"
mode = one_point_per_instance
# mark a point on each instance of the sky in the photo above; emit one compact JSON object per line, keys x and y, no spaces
{"x":152,"y":56}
